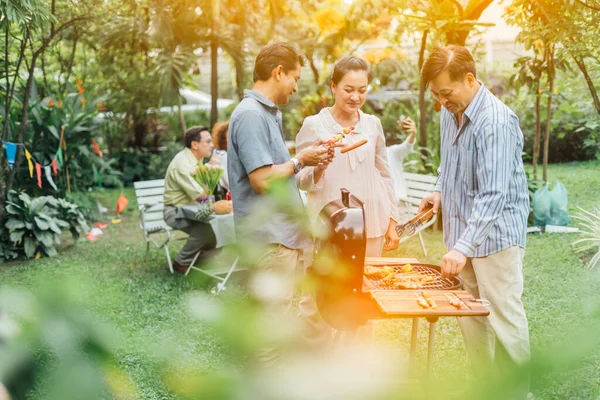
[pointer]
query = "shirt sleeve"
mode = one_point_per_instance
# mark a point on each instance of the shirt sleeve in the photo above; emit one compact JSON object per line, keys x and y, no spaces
{"x":381,"y":163}
{"x":249,"y":135}
{"x":400,"y":151}
{"x":438,"y":184}
{"x":306,"y":176}
{"x":494,"y":159}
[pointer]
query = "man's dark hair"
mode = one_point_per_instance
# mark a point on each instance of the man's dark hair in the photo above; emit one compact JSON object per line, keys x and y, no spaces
{"x":457,"y":60}
{"x":347,"y":64}
{"x":273,"y":55}
{"x":194,"y":134}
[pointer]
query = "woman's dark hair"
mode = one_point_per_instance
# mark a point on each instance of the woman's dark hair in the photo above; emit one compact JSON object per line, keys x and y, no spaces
{"x":347,"y":64}
{"x":194,"y":134}
{"x":219,"y":133}
{"x":273,"y":55}
{"x":457,"y":60}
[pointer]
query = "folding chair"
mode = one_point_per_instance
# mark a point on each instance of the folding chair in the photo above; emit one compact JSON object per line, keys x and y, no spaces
{"x":149,"y":196}
{"x":150,"y":199}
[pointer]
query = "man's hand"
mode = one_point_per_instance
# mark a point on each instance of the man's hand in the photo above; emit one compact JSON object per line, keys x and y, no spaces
{"x":452,"y":263}
{"x":316,"y":154}
{"x":391,"y":237}
{"x":433,"y":198}
{"x":201,"y":197}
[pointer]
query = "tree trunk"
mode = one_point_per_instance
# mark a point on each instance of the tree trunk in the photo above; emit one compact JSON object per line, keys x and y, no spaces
{"x":181,"y":117}
{"x":63,"y":87}
{"x":588,"y":81}
{"x":239,"y":77}
{"x":24,"y":125}
{"x":422,"y":88}
{"x":550,"y":55}
{"x":538,"y":130}
{"x":314,"y":70}
{"x":214,"y":77}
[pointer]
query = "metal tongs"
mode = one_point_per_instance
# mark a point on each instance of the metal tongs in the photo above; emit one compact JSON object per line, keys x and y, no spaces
{"x":411,"y":226}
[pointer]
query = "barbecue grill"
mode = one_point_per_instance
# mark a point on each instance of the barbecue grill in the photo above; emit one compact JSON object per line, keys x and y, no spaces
{"x":347,"y":298}
{"x":344,"y":293}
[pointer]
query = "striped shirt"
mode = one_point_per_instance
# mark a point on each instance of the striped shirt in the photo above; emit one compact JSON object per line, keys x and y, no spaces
{"x":485,"y":199}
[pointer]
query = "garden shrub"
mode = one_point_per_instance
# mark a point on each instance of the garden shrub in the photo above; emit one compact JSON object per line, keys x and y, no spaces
{"x":35,"y":225}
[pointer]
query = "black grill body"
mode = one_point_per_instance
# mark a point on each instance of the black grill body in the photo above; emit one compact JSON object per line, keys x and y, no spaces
{"x":338,"y":265}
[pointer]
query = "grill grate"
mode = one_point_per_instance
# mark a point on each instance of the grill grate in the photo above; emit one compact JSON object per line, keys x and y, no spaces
{"x":438,"y":282}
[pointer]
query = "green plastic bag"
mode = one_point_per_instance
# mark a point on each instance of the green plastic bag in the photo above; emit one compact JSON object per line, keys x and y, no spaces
{"x":550,"y":206}
{"x":559,"y":215}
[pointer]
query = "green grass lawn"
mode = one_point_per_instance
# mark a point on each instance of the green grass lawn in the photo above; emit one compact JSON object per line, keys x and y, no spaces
{"x":142,"y":301}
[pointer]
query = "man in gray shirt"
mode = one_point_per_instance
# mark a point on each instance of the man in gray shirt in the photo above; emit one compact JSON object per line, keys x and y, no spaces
{"x":257,"y":155}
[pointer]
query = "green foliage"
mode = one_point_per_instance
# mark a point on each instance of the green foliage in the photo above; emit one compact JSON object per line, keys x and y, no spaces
{"x":310,"y":104}
{"x":76,"y":119}
{"x":58,"y":348}
{"x":72,"y":215}
{"x":589,"y":239}
{"x":32,"y":224}
{"x":575,"y":126}
{"x":35,"y":225}
{"x":422,"y":161}
{"x":159,"y":162}
{"x":86,"y":204}
{"x":134,"y":164}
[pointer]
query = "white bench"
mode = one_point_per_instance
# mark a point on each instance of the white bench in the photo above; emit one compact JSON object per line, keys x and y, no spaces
{"x":150,"y":199}
{"x":418,"y":186}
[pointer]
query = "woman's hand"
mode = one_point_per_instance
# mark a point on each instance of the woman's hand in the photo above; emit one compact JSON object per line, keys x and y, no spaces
{"x":391,"y":237}
{"x":408,"y":125}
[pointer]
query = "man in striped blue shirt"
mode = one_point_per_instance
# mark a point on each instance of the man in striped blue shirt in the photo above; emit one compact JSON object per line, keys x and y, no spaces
{"x":483,"y":192}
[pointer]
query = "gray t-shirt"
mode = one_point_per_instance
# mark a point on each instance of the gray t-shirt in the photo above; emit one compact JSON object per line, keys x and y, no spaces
{"x":256,"y":140}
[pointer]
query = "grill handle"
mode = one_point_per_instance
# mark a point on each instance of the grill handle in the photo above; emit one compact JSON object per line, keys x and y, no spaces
{"x":345,"y":197}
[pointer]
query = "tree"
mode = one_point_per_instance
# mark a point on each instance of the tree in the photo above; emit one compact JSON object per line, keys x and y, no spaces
{"x":30,"y":27}
{"x":563,"y":30}
{"x":437,"y":21}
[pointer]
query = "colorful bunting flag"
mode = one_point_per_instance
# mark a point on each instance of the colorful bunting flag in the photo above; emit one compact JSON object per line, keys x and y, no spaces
{"x":49,"y":177}
{"x":54,"y":167}
{"x":38,"y":172}
{"x":29,"y":163}
{"x":121,"y":203}
{"x":97,"y":150}
{"x":59,"y":157}
{"x":11,"y":152}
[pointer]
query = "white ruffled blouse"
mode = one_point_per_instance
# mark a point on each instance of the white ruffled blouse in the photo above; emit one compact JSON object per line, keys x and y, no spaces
{"x":363,"y":171}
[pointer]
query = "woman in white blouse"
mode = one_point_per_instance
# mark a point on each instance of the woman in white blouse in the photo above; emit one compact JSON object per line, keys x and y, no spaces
{"x":364,"y":171}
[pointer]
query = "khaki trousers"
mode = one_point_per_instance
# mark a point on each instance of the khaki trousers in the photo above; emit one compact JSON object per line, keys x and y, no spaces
{"x":280,"y":264}
{"x":498,"y":343}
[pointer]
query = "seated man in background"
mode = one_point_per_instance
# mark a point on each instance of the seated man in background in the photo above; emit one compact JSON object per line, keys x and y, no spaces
{"x":182,"y":190}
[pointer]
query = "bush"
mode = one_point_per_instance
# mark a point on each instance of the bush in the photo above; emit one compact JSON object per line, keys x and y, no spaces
{"x":35,"y":225}
{"x":157,"y":167}
{"x":86,"y":204}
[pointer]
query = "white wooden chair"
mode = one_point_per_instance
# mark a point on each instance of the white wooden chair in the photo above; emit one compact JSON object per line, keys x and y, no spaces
{"x":149,"y":196}
{"x":150,"y":199}
{"x":418,"y":186}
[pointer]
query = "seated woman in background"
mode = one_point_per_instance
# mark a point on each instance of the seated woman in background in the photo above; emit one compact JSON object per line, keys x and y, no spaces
{"x":396,"y":154}
{"x":220,"y":134}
